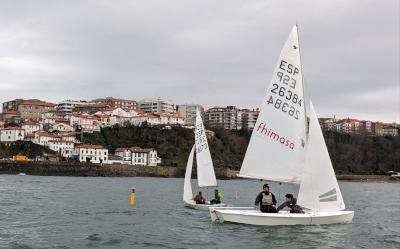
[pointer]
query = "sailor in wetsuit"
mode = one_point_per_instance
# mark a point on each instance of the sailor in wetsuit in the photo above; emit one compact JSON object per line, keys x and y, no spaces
{"x":266,"y":201}
{"x":290,"y":203}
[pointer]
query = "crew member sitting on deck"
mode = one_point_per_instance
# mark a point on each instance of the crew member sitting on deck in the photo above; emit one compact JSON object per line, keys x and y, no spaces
{"x":217,"y":197}
{"x":290,"y":203}
{"x":266,"y":201}
{"x":200,"y":199}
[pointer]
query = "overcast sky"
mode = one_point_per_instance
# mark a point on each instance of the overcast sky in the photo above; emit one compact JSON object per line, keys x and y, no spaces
{"x":207,"y":52}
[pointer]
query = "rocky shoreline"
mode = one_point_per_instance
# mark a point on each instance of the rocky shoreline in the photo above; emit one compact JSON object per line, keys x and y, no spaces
{"x":118,"y":170}
{"x":368,"y":178}
{"x":105,"y":170}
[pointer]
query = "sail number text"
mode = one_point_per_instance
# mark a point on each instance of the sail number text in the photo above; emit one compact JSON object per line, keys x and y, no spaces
{"x":201,"y":140}
{"x":283,"y":97}
{"x":287,"y":71}
{"x":284,"y":107}
{"x":289,"y":95}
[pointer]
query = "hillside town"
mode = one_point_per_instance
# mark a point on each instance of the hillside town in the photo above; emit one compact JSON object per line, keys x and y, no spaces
{"x":58,"y":125}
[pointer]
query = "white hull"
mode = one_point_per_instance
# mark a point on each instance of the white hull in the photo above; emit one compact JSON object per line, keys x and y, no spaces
{"x":253,"y":216}
{"x":203,"y":207}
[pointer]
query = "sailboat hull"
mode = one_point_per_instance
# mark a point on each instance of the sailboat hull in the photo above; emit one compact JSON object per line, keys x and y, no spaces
{"x":203,"y":207}
{"x":252,"y":216}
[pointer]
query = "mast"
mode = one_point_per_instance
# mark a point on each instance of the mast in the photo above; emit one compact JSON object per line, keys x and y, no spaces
{"x":306,"y":120}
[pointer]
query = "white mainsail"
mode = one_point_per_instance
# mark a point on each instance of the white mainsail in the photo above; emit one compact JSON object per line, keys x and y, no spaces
{"x":319,"y":189}
{"x":276,"y":148}
{"x":187,"y":186}
{"x":205,"y":168}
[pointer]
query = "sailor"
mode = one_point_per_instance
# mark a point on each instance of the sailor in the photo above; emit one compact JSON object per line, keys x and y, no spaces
{"x":290,"y":203}
{"x":200,"y":199}
{"x":266,"y":201}
{"x":217,"y":197}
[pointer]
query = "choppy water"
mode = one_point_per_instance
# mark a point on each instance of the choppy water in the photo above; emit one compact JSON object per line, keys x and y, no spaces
{"x":71,"y":212}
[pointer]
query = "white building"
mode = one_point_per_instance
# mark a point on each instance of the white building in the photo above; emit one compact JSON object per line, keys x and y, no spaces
{"x":92,"y":153}
{"x":68,"y":106}
{"x":348,"y":125}
{"x":11,"y":134}
{"x":106,"y":120}
{"x":124,"y":153}
{"x":66,"y":148}
{"x":53,"y":117}
{"x":329,"y":124}
{"x":145,"y":157}
{"x":367,"y":126}
{"x":170,"y":119}
{"x":157,"y":106}
{"x":43,"y":138}
{"x":67,"y":137}
{"x":139,"y":156}
{"x":31,"y":127}
{"x":150,"y":119}
{"x":387,"y":130}
{"x":120,"y":112}
{"x":86,"y":122}
{"x":62,"y":127}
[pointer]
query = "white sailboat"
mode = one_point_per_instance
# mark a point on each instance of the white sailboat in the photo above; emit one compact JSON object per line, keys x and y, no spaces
{"x":205,"y":169}
{"x":287,"y":145}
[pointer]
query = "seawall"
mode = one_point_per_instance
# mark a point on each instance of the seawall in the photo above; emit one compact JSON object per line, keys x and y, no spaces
{"x":107,"y":170}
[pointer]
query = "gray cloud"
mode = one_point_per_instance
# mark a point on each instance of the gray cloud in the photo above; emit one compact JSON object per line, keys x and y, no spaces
{"x":208,"y":52}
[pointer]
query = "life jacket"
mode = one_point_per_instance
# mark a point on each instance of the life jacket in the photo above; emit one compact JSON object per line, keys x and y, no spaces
{"x":266,"y":199}
{"x":200,"y":199}
{"x":218,"y":196}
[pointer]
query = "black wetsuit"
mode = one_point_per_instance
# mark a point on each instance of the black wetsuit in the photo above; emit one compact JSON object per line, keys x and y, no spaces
{"x":292,"y":205}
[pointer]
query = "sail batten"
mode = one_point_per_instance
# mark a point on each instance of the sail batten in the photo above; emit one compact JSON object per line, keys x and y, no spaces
{"x":276,"y":147}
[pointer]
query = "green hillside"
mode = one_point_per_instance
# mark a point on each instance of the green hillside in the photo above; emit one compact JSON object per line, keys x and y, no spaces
{"x":173,"y":145}
{"x":28,"y":149}
{"x":353,"y":154}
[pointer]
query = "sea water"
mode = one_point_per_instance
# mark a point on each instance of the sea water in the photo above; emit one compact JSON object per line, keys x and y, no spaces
{"x":90,"y":212}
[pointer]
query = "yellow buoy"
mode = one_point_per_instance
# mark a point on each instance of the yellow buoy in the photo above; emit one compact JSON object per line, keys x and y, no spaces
{"x":132,"y":199}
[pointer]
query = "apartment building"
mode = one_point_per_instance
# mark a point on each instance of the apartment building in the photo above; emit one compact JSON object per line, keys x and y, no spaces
{"x":125,"y":104}
{"x":157,"y":106}
{"x":67,"y":106}
{"x":188,"y":113}
{"x":249,"y":118}
{"x":229,"y":118}
{"x":32,"y":109}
